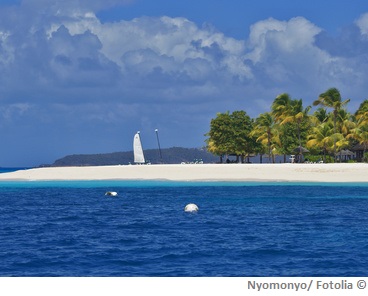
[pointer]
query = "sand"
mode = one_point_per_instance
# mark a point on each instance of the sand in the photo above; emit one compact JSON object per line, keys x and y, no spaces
{"x":356,"y":172}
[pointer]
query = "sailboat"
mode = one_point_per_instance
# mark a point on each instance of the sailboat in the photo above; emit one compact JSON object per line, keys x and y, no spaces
{"x":138,"y":150}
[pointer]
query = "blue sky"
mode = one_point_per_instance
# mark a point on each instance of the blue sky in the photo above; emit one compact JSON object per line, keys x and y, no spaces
{"x":84,"y":76}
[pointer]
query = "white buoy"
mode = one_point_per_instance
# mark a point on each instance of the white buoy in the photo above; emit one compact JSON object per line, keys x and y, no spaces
{"x":111,"y":193}
{"x":191,"y":208}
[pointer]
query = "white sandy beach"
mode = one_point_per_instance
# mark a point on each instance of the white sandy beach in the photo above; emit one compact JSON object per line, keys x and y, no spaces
{"x":357,"y":172}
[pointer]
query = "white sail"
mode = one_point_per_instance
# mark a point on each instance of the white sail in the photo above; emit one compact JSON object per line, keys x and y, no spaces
{"x":138,"y":150}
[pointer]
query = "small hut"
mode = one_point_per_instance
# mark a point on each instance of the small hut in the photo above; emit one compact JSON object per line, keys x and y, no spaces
{"x":345,"y":155}
{"x":300,"y":150}
{"x":359,"y":150}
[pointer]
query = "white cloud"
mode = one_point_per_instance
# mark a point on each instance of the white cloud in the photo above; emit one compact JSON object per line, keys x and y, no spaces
{"x":273,"y":37}
{"x":172,"y":40}
{"x":284,"y":54}
{"x":164,"y":58}
{"x":168,"y":53}
{"x":362,"y":23}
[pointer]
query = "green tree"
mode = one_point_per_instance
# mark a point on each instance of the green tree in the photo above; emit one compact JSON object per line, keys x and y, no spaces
{"x":360,"y":131}
{"x":288,"y":125}
{"x":345,"y":125}
{"x":219,"y":135}
{"x":296,"y":114}
{"x":229,"y":134}
{"x":264,"y":131}
{"x":291,"y":112}
{"x":280,"y":107}
{"x":362,"y":113}
{"x":321,"y":137}
{"x":321,"y":115}
{"x":332,"y":99}
{"x":288,"y":138}
{"x":241,"y":125}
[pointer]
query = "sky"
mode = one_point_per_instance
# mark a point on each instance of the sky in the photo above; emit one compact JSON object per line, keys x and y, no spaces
{"x":82,"y":77}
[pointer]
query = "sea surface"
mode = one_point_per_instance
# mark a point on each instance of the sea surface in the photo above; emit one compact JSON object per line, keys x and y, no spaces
{"x":241,"y":229}
{"x":8,"y":170}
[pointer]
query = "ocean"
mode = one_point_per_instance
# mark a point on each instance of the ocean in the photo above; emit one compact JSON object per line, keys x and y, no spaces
{"x":8,"y":170}
{"x":70,"y":228}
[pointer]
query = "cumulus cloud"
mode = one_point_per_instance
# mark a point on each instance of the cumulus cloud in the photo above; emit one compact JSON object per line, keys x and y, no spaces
{"x":168,"y":55}
{"x":298,"y":57}
{"x":162,"y":59}
{"x":283,"y":36}
{"x":175,"y":49}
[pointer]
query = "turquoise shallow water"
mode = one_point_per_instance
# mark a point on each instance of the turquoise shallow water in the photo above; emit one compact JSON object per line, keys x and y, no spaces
{"x":163,"y":183}
{"x":242,"y":229}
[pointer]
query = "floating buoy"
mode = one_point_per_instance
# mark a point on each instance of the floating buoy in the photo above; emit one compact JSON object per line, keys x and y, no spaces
{"x":191,"y":208}
{"x":111,"y":193}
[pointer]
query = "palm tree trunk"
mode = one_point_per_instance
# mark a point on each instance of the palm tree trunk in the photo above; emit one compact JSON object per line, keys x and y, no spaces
{"x":300,"y":143}
{"x":269,"y":146}
{"x":335,"y":115}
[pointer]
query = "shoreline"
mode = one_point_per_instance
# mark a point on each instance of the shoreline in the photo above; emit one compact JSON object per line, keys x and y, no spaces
{"x":331,"y":173}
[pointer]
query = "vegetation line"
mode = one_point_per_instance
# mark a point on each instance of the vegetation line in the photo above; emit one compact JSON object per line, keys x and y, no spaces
{"x":289,"y":129}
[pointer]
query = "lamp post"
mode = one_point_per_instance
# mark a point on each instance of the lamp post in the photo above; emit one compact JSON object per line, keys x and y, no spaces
{"x":158,"y":142}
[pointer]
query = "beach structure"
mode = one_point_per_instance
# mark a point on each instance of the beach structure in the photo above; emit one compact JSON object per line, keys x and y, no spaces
{"x":359,"y":150}
{"x":345,"y":155}
{"x":138,"y":150}
{"x":299,"y":154}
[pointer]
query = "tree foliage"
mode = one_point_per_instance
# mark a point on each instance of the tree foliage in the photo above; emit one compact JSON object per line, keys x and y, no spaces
{"x":230,"y":134}
{"x":288,"y":125}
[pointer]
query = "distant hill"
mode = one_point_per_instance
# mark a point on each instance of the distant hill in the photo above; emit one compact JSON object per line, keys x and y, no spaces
{"x":169,"y":156}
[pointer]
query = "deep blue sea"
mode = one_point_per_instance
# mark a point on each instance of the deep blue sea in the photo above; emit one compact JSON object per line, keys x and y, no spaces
{"x":241,"y":229}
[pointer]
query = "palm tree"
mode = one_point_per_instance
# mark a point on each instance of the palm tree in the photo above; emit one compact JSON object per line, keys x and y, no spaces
{"x":296,"y":114}
{"x":322,"y":136}
{"x":287,"y":110}
{"x":345,"y":124}
{"x":332,"y":99}
{"x":321,"y":115}
{"x":281,"y":106}
{"x":360,"y":131}
{"x":263,"y":129}
{"x":362,"y":113}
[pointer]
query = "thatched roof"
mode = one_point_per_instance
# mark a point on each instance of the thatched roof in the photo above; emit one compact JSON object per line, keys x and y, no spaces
{"x":345,"y":153}
{"x":301,"y":149}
